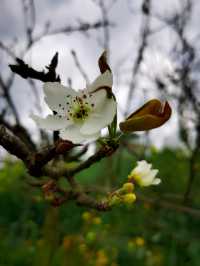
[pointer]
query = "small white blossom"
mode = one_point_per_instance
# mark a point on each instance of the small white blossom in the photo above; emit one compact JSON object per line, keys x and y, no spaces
{"x":144,"y":175}
{"x":79,"y":115}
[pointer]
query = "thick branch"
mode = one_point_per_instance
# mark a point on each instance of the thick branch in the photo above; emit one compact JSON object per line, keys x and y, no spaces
{"x":105,"y":151}
{"x":18,"y":131}
{"x":41,"y":158}
{"x":13,"y":144}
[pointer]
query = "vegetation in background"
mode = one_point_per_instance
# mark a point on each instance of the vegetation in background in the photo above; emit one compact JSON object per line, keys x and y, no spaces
{"x":34,"y":233}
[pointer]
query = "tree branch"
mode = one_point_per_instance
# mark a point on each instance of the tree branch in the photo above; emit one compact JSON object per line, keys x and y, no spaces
{"x":25,"y":71}
{"x":13,"y":144}
{"x":57,"y":172}
{"x":170,"y":205}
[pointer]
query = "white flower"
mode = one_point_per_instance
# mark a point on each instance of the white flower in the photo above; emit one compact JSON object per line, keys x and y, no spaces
{"x":79,"y":115}
{"x":144,"y":175}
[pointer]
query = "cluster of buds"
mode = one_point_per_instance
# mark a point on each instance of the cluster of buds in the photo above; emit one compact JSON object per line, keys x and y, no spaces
{"x":136,"y":242}
{"x":124,"y":195}
{"x":142,"y":175}
{"x":91,"y":218}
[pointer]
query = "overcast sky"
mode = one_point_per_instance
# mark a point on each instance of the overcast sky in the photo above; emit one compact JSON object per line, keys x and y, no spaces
{"x":124,"y":41}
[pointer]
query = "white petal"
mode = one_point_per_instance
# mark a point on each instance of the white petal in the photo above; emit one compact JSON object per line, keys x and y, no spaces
{"x":51,"y":122}
{"x":156,"y":181}
{"x":103,"y":80}
{"x":98,"y":99}
{"x":73,"y":133}
{"x":149,"y":179}
{"x":142,"y":169}
{"x":153,"y":173}
{"x":139,"y":170}
{"x":97,"y":121}
{"x":144,"y":165}
{"x":56,"y":96}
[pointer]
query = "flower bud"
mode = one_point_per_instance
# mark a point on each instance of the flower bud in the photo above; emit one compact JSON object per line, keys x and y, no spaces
{"x":97,"y":220}
{"x":139,"y":241}
{"x":128,"y":187}
{"x":86,"y":216}
{"x":129,"y":198}
{"x":114,"y":200}
{"x":91,"y":237}
{"x":151,"y":115}
{"x":144,"y":175}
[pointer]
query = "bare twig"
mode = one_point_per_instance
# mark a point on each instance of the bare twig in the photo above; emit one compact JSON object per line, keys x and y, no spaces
{"x":80,"y":68}
{"x":7,"y":96}
{"x":7,"y":50}
{"x":170,"y":205}
{"x":146,"y":5}
{"x":82,"y":27}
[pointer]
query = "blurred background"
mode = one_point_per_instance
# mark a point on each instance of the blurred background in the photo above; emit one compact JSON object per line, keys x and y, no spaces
{"x":153,"y":51}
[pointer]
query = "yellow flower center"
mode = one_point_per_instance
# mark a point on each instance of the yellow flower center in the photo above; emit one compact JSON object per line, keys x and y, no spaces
{"x":80,"y":112}
{"x":78,"y":109}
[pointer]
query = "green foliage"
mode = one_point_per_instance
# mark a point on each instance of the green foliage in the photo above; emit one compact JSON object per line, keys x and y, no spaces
{"x":32,"y":233}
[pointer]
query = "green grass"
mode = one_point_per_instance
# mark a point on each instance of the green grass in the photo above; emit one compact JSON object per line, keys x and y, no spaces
{"x":34,"y":233}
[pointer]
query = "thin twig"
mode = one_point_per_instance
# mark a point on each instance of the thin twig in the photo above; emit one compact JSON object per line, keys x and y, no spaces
{"x":80,"y":68}
{"x":146,"y":5}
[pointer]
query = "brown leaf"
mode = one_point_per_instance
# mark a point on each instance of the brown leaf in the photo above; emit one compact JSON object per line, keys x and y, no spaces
{"x":103,"y":65}
{"x":151,"y":115}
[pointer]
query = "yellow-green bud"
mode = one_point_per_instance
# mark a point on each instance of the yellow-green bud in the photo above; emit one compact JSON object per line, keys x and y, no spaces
{"x":128,"y":187}
{"x":129,"y":198}
{"x":139,"y":241}
{"x":114,"y":200}
{"x":97,"y":220}
{"x":91,"y":237}
{"x":86,"y":216}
